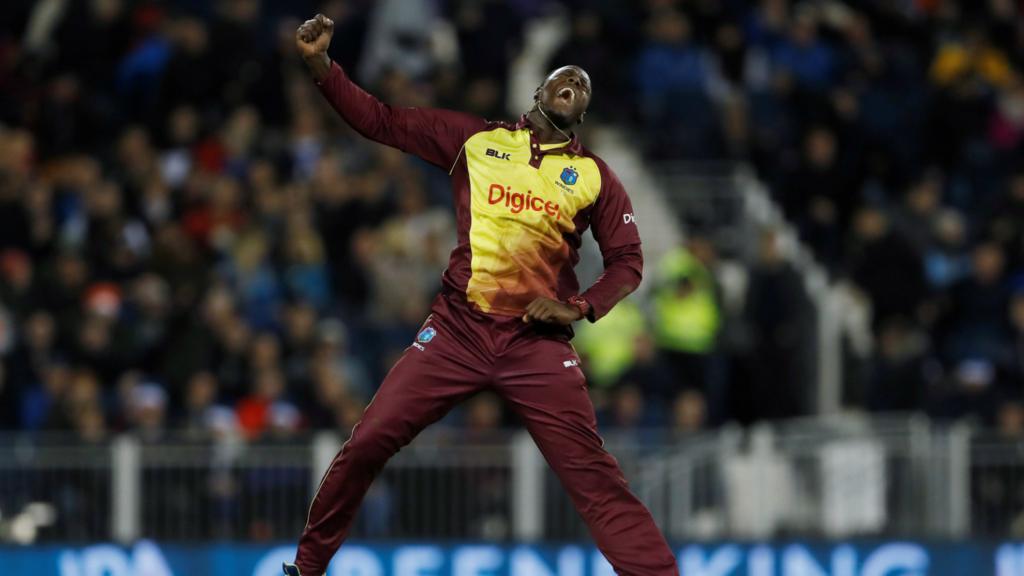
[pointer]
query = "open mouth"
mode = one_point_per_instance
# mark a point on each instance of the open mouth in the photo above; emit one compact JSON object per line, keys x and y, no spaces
{"x":567,"y":94}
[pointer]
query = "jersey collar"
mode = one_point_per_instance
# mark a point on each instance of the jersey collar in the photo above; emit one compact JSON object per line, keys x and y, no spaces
{"x":574,"y":147}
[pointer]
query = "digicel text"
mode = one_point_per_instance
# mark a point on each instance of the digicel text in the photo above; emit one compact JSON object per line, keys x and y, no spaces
{"x":516,"y":202}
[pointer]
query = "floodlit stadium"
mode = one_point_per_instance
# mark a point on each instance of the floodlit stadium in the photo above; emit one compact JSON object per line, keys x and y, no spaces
{"x":512,"y":287}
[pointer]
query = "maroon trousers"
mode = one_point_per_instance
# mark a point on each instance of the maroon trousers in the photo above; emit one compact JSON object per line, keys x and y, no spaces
{"x":458,"y":353}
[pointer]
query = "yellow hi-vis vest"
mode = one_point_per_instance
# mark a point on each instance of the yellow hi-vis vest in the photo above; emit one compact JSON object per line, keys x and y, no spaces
{"x":609,"y":344}
{"x":685,"y":322}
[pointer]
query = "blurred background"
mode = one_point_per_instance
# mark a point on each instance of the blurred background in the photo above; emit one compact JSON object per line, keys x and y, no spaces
{"x":204,"y":275}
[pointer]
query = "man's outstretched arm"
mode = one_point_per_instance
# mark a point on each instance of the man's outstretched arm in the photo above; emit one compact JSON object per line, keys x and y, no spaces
{"x":436,"y":136}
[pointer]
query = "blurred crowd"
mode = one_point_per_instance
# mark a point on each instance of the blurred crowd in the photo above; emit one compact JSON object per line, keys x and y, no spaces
{"x":890,"y":133}
{"x":190,"y":240}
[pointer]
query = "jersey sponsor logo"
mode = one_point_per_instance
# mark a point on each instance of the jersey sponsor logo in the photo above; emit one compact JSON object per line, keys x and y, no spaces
{"x":499,"y":155}
{"x":426,"y":335}
{"x":569,"y":175}
{"x":571,"y":363}
{"x":628,"y":218}
{"x":516,"y":202}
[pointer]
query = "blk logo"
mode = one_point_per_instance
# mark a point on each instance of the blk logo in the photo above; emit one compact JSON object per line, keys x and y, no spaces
{"x":499,"y":155}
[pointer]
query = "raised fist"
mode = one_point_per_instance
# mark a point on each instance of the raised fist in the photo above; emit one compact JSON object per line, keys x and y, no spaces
{"x":314,"y":36}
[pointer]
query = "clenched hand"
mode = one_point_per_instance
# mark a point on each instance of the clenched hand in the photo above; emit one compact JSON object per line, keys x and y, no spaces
{"x":312,"y":39}
{"x":551,"y":312}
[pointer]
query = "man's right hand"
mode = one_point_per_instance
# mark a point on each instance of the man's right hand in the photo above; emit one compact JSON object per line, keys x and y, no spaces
{"x":312,"y":39}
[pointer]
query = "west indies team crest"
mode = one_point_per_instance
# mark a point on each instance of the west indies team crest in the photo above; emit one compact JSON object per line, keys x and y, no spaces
{"x":570,"y":175}
{"x":426,"y":335}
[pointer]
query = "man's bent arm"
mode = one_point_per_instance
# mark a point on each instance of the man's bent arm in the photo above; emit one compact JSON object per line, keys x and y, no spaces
{"x":623,"y":270}
{"x":614,"y":227}
{"x":435,"y":135}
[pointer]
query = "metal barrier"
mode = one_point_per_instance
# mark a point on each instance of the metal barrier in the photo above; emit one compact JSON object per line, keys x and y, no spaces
{"x":996,"y":486}
{"x":837,"y":478}
{"x":55,"y":490}
{"x":834,"y":478}
{"x":221,"y":491}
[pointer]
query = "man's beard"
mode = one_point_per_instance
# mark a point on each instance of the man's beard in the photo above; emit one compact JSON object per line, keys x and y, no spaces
{"x":560,"y":121}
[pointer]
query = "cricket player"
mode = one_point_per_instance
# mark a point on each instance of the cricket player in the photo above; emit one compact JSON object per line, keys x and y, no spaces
{"x":524,"y":192}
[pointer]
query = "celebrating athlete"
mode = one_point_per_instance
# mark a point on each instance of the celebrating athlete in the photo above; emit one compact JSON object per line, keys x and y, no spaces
{"x":524,"y":194}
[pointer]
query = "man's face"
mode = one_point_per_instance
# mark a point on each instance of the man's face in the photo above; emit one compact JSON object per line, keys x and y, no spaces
{"x":565,"y":95}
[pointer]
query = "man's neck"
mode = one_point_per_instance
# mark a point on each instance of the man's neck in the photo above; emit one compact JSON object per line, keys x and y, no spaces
{"x":543,"y":129}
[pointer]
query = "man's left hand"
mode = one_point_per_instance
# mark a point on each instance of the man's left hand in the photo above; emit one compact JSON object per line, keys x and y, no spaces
{"x":551,"y":312}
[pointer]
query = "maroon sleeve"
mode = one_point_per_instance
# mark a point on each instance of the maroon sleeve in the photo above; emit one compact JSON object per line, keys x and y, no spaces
{"x":614,"y":228}
{"x":436,"y":136}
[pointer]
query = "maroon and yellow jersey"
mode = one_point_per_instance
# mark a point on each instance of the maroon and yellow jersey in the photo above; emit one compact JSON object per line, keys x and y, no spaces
{"x":521,"y":207}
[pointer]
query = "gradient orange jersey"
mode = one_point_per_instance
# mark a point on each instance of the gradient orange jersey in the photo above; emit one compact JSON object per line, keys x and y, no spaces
{"x":521,"y":207}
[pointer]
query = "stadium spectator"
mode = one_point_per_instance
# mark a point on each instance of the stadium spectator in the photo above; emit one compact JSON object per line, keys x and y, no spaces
{"x":802,"y":56}
{"x":820,"y":194}
{"x":977,"y":316}
{"x":202,"y":415}
{"x":147,"y":411}
{"x":900,"y":375}
{"x":775,"y":314}
{"x":689,"y":413}
{"x":946,"y":259}
{"x":686,"y":313}
{"x":632,"y":416}
{"x":265,"y":409}
{"x":673,"y":76}
{"x":649,"y":373}
{"x":879,"y":255}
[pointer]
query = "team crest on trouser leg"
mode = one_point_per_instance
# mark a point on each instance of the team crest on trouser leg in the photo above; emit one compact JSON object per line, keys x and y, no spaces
{"x":426,"y":335}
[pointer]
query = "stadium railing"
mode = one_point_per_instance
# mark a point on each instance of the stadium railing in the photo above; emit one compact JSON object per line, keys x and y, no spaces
{"x":839,"y":477}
